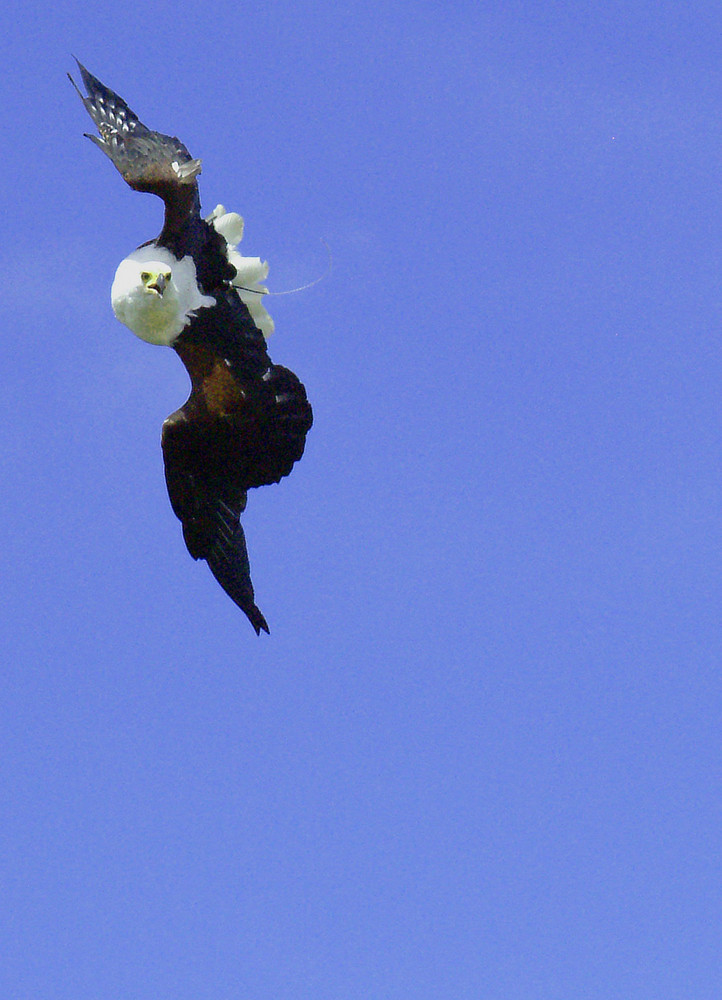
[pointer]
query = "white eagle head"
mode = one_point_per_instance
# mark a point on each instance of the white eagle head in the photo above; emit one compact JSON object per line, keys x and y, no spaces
{"x":155,"y":295}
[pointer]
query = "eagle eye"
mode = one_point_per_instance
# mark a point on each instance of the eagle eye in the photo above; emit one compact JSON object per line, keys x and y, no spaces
{"x":144,"y":275}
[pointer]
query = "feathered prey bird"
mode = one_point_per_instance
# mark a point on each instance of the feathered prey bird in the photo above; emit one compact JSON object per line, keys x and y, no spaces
{"x":246,"y":419}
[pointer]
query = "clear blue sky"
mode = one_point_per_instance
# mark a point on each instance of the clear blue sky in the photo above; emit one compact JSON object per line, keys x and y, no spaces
{"x":480,"y":755}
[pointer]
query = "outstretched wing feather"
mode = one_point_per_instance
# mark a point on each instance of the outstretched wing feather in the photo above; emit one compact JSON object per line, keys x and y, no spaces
{"x":228,"y":561}
{"x":147,"y":160}
{"x":208,"y":500}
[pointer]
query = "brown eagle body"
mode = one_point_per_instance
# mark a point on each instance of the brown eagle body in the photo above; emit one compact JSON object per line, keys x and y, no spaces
{"x":245,"y":422}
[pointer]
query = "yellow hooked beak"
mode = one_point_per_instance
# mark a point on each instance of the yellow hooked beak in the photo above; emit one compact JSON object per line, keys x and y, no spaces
{"x":155,"y":281}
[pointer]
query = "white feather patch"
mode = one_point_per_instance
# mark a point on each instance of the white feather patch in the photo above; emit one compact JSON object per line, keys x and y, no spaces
{"x":250,"y":271}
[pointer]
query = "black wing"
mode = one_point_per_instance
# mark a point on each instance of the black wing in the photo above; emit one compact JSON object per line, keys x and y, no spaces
{"x":208,"y":500}
{"x":148,"y":161}
{"x":213,"y":459}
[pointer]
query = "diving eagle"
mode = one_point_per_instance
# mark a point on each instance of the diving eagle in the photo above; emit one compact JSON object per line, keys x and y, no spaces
{"x":246,"y":419}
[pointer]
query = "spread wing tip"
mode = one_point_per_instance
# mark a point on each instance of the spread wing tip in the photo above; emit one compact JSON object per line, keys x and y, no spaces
{"x":147,"y":160}
{"x":116,"y":123}
{"x":256,"y":619}
{"x":227,"y":558}
{"x":234,"y":577}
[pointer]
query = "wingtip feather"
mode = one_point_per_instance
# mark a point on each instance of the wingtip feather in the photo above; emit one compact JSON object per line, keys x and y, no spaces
{"x":258,"y":621}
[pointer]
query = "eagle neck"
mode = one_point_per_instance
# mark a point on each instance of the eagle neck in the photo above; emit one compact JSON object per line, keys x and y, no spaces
{"x":193,"y":236}
{"x":182,"y":213}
